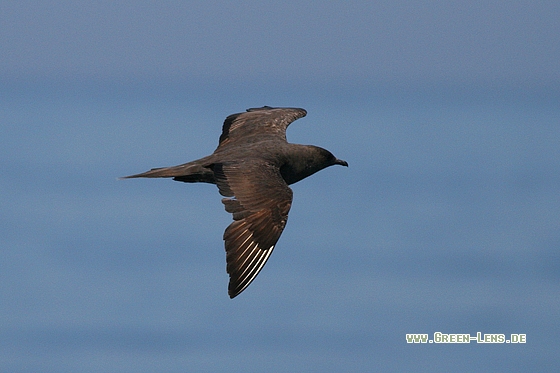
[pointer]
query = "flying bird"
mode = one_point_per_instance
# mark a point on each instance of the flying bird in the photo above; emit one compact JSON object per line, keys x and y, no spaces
{"x":253,"y":166}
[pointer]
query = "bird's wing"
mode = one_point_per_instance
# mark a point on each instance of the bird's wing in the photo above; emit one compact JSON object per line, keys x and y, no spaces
{"x":260,"y":205}
{"x":265,"y":121}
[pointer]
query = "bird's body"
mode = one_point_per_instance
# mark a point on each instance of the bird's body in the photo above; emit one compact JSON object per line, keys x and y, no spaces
{"x":253,"y":165}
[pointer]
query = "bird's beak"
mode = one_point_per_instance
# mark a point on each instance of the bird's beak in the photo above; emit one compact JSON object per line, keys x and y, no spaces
{"x":341,"y":162}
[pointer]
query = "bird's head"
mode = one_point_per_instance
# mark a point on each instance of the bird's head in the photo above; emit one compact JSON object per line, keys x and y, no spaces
{"x":323,"y":158}
{"x":305,"y":160}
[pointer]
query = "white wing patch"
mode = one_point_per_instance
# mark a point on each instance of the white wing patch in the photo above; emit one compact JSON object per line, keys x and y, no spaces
{"x":257,"y":259}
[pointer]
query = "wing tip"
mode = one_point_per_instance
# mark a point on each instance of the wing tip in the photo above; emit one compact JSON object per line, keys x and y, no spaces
{"x":302,"y":112}
{"x":238,"y":284}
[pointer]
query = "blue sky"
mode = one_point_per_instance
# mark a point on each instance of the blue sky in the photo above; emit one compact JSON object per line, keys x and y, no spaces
{"x":446,"y":220}
{"x":457,"y":41}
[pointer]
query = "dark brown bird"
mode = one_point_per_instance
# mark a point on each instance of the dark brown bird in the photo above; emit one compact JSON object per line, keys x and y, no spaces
{"x":253,"y":166}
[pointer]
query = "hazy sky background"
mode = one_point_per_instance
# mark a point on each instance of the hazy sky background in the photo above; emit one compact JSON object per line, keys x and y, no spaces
{"x":403,"y":41}
{"x":448,"y":218}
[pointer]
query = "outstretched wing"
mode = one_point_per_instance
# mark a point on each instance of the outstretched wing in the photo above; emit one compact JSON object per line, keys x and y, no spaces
{"x":265,"y":121}
{"x":260,"y":205}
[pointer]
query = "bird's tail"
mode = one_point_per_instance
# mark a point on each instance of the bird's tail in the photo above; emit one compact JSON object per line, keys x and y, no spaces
{"x":192,"y":172}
